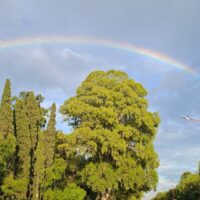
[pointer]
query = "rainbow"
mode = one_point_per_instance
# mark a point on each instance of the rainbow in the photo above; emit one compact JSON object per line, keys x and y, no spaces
{"x":13,"y":43}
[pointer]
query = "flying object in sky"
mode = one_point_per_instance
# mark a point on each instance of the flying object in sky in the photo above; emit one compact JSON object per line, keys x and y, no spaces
{"x":189,"y":118}
{"x":185,"y":117}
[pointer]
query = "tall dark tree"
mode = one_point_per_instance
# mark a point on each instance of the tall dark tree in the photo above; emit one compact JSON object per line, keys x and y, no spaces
{"x":49,"y":141}
{"x":23,"y":139}
{"x":6,"y":113}
{"x":34,"y":116}
{"x":7,"y":138}
{"x":16,"y":185}
{"x":50,"y":134}
{"x":39,"y":167}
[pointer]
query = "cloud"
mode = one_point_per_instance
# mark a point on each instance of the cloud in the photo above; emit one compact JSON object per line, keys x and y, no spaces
{"x":171,"y":27}
{"x":43,"y":68}
{"x":164,"y":185}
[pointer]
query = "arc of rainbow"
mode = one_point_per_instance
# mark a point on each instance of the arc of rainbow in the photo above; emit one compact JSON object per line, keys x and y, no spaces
{"x":99,"y":42}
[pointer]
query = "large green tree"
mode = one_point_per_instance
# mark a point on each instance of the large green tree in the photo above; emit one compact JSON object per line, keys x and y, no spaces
{"x":110,"y":151}
{"x":7,"y":138}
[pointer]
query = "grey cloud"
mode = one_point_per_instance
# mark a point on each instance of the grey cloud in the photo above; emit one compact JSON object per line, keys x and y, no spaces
{"x":168,"y":26}
{"x":40,"y":67}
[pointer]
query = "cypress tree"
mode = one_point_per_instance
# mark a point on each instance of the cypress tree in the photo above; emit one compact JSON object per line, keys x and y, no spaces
{"x":39,"y":167}
{"x":50,"y":136}
{"x":23,"y":140}
{"x":17,"y":185}
{"x":7,"y":138}
{"x":6,"y":113}
{"x":34,"y":115}
{"x":49,"y":140}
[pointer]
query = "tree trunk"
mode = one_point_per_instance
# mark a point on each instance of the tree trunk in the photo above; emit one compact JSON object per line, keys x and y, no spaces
{"x":37,"y":189}
{"x":105,"y":195}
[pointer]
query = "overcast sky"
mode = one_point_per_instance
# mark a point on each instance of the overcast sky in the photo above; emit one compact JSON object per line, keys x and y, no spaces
{"x":170,"y":27}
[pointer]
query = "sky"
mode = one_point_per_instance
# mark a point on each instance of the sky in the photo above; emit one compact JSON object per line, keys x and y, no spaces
{"x":56,"y":69}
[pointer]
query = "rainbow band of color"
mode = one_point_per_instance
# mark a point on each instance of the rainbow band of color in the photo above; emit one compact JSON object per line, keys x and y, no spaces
{"x":99,"y":42}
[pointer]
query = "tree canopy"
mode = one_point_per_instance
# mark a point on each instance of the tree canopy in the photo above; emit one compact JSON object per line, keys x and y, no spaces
{"x":112,"y":140}
{"x":29,"y":165}
{"x":109,"y":155}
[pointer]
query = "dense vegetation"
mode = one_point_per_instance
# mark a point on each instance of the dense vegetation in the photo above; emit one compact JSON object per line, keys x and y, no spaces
{"x":187,"y":189}
{"x":109,"y":155}
{"x":30,"y":167}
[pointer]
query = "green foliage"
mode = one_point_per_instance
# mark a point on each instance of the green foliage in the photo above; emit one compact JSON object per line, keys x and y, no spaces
{"x":34,"y":115}
{"x":23,"y":140}
{"x":113,"y":133}
{"x":50,"y":137}
{"x":7,"y":148}
{"x":187,"y":189}
{"x":71,"y":192}
{"x":39,"y":166}
{"x":7,"y":151}
{"x":15,"y":189}
{"x":7,"y":139}
{"x":55,"y":174}
{"x":99,"y":178}
{"x":6,"y":113}
{"x":162,"y":196}
{"x":109,"y":155}
{"x":59,"y":168}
